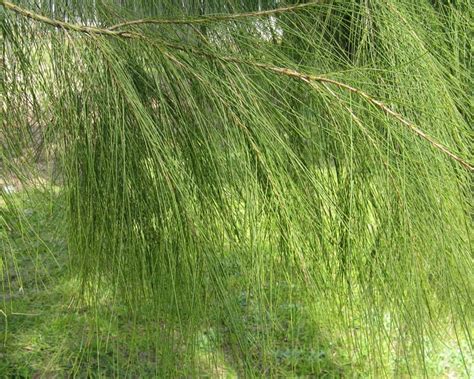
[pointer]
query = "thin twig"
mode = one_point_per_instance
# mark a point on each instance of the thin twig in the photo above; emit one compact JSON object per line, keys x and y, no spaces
{"x":215,"y":17}
{"x":278,"y":70}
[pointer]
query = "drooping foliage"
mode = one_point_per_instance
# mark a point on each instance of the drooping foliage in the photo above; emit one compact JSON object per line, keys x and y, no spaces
{"x":293,"y":185}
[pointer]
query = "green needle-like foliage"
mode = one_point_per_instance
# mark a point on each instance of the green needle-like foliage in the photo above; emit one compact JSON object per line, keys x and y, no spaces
{"x":287,"y":191}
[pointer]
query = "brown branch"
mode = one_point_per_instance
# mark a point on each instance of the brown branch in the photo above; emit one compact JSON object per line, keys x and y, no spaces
{"x":420,"y":133}
{"x":215,"y":17}
{"x":321,"y":79}
{"x":410,"y":125}
{"x":278,"y":70}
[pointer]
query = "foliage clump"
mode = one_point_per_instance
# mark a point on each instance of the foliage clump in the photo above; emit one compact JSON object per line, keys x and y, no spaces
{"x":282,"y":187}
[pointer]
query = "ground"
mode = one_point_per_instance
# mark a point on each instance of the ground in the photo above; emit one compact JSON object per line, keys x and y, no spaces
{"x":46,"y":331}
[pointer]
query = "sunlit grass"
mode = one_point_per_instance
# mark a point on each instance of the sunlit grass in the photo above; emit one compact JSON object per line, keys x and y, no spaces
{"x":49,"y":329}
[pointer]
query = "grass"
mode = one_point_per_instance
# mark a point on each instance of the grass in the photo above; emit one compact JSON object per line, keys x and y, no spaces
{"x":48,"y":332}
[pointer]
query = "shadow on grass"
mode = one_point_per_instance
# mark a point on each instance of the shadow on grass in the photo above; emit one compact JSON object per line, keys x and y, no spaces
{"x":44,"y":330}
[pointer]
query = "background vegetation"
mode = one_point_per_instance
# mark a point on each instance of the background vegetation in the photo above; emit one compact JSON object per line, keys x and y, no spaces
{"x":236,"y":188}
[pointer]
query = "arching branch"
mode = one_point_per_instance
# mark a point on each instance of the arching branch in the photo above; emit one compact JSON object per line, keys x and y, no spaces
{"x":277,"y":70}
